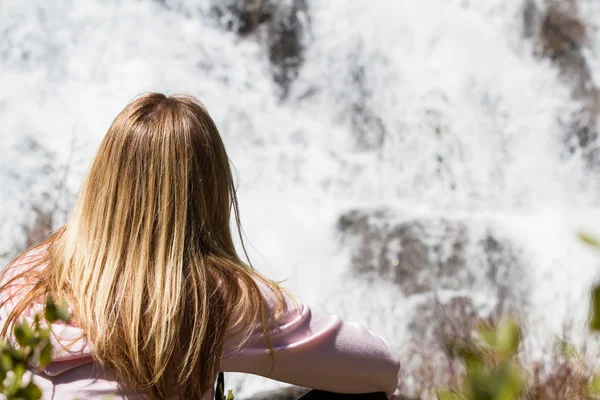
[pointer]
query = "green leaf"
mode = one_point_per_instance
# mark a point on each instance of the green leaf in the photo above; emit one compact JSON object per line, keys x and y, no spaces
{"x":595,"y":309}
{"x":54,"y":313}
{"x":29,"y":392}
{"x":63,"y":311}
{"x":480,"y":386}
{"x":46,"y":354}
{"x":19,"y":371}
{"x":469,"y":353}
{"x":594,"y":385}
{"x":24,"y":334}
{"x":488,"y":335}
{"x":15,"y":379}
{"x":512,"y":383}
{"x":50,"y":312}
{"x":505,"y":382}
{"x":508,"y":338}
{"x":16,"y":355}
{"x":589,"y":240}
{"x":6,"y":362}
{"x":449,"y":395}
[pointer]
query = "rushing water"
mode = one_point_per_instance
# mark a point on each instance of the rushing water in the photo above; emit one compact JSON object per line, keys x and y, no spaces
{"x":436,"y":112}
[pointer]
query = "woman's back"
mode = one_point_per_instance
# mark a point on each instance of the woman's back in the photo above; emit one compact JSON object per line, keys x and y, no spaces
{"x":161,"y":302}
{"x":311,"y":349}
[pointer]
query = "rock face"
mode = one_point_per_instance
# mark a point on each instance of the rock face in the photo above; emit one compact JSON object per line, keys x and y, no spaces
{"x":283,"y":24}
{"x":443,"y":261}
{"x":368,"y":128}
{"x":406,"y":253}
{"x":286,"y":42}
{"x":563,"y":35}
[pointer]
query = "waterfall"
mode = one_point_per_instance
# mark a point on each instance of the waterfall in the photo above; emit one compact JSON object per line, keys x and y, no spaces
{"x":397,"y":161}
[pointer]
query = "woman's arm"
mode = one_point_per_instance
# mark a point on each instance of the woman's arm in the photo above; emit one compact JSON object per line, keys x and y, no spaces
{"x":319,"y":351}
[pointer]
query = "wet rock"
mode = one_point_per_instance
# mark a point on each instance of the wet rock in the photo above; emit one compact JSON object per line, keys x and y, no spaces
{"x":562,"y":36}
{"x":418,"y":256}
{"x":242,"y":16}
{"x":531,"y":17}
{"x":368,"y":128}
{"x":364,"y":230}
{"x":505,"y":272}
{"x":438,"y":320}
{"x":446,"y":262}
{"x":285,"y":25}
{"x":286,"y":42}
{"x":562,"y":33}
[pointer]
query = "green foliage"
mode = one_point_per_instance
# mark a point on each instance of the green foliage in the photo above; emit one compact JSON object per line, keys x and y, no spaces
{"x":32,"y":347}
{"x":566,"y":350}
{"x":594,"y":385}
{"x":589,"y":240}
{"x":229,"y":394}
{"x":52,"y":312}
{"x":594,"y":320}
{"x":492,"y":373}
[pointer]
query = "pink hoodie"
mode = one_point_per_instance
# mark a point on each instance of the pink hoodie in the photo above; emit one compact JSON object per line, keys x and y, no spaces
{"x":312,"y":349}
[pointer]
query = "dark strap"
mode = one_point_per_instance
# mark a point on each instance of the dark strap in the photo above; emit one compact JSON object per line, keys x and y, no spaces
{"x":220,"y":391}
{"x":323,"y":395}
{"x":311,"y":395}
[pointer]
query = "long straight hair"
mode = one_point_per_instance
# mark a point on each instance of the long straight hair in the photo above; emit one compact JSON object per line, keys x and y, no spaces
{"x":147,"y":260}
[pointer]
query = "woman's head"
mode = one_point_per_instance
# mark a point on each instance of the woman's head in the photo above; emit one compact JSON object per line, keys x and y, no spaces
{"x":161,"y":175}
{"x":147,"y":259}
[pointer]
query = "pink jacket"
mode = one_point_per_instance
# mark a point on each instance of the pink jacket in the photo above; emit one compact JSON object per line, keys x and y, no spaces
{"x":312,"y":349}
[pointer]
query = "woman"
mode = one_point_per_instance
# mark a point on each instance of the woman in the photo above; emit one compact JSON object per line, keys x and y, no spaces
{"x":160,"y":300}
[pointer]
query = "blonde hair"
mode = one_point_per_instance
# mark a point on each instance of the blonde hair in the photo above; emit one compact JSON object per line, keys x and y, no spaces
{"x":147,"y":260}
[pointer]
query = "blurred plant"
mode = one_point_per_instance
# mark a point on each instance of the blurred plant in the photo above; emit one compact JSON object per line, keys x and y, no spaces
{"x":594,"y":320}
{"x":494,"y":372}
{"x":595,"y":297}
{"x":229,"y":394}
{"x":589,"y":240}
{"x":33,"y":347}
{"x":491,"y":369}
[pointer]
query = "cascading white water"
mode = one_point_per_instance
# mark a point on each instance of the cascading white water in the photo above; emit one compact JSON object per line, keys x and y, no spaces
{"x":429,"y":109}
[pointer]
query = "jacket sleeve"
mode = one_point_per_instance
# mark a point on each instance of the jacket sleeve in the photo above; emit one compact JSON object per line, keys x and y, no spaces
{"x":316,"y":350}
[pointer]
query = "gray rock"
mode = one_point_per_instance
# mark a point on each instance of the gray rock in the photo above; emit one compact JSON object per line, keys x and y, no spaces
{"x":286,"y":23}
{"x":367,"y":126}
{"x":426,"y":257}
{"x":563,"y":35}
